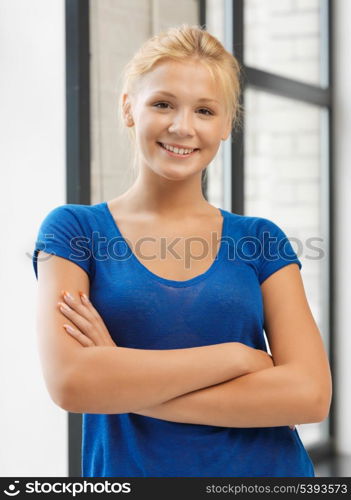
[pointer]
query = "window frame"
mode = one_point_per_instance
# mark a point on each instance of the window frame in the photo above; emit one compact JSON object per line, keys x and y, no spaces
{"x":78,"y":155}
{"x":321,"y":96}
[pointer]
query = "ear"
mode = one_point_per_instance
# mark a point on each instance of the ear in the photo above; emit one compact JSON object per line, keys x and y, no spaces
{"x":127,"y":110}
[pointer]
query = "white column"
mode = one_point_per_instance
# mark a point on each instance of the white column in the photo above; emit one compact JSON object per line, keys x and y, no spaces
{"x":342,"y":220}
{"x":33,"y":430}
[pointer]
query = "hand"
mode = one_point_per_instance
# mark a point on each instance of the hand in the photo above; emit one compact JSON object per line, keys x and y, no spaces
{"x":90,"y":330}
{"x":256,"y":359}
{"x":263,"y":359}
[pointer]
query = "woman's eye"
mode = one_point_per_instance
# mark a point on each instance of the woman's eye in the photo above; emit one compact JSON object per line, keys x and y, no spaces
{"x":158,"y":103}
{"x":208,"y":112}
{"x":163,"y":105}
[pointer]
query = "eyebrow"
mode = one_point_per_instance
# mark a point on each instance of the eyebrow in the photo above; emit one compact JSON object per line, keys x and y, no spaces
{"x":202,"y":99}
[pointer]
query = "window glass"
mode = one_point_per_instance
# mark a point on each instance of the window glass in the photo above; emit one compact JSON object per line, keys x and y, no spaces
{"x":285,"y":179}
{"x":283,"y":37}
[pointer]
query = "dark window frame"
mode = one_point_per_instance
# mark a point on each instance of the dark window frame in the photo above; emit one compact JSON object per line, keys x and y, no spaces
{"x":78,"y":144}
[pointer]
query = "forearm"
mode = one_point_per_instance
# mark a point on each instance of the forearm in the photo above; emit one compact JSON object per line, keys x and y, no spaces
{"x":276,"y":396}
{"x":120,"y":380}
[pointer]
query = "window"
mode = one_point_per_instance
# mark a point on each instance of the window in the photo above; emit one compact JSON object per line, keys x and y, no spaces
{"x":278,"y":165}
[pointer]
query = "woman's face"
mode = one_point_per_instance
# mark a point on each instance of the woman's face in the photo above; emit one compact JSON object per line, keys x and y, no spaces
{"x":177,"y":104}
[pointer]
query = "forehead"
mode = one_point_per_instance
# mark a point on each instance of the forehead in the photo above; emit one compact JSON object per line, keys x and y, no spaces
{"x":189,"y":78}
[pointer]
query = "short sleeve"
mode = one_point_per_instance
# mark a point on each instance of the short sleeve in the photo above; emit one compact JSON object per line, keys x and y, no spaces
{"x":276,"y":250}
{"x":63,"y":233}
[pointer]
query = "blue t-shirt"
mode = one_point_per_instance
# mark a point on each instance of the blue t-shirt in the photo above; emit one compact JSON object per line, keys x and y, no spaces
{"x":145,"y":311}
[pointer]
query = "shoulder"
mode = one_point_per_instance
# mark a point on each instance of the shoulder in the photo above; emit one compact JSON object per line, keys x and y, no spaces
{"x":249,"y":225}
{"x":72,"y":211}
{"x":70,"y":224}
{"x":66,"y":231}
{"x":72,"y":218}
{"x":260,"y":243}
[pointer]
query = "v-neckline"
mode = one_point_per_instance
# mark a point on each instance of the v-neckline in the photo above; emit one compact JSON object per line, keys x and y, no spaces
{"x":166,"y":281}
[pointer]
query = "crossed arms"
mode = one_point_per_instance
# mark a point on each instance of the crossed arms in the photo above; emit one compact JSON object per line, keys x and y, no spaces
{"x":226,"y":384}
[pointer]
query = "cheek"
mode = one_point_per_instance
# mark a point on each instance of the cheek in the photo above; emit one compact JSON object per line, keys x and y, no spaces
{"x":153,"y":129}
{"x":209,"y":141}
{"x":209,"y":133}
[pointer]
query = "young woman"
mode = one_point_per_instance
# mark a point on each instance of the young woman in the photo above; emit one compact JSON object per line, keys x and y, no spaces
{"x":167,"y":360}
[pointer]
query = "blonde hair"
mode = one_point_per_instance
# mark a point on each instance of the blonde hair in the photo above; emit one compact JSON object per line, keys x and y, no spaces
{"x":177,"y":44}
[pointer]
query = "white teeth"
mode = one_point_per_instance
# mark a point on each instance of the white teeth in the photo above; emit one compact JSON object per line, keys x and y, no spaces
{"x":181,"y":151}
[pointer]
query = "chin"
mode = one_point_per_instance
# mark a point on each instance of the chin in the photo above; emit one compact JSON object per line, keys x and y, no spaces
{"x":174,"y":174}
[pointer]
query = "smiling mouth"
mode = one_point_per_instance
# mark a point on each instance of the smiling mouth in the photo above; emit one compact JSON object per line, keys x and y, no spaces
{"x":177,"y":155}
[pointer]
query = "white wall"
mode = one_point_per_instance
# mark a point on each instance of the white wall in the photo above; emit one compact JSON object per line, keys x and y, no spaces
{"x":342,"y":172}
{"x":33,"y":430}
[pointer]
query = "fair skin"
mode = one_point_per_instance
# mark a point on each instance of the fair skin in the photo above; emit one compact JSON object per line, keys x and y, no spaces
{"x":169,"y":188}
{"x":295,"y":387}
{"x":166,"y":200}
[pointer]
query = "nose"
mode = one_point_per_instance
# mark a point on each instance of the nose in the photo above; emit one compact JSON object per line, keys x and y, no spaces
{"x":182,"y":124}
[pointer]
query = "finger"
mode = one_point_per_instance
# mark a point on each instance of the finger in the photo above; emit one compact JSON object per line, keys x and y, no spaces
{"x":76,"y":305}
{"x":103,"y":333}
{"x":80,"y":316}
{"x":88,"y":304}
{"x":89,"y":321}
{"x":83,"y":307}
{"x":79,"y":321}
{"x":82,"y":339}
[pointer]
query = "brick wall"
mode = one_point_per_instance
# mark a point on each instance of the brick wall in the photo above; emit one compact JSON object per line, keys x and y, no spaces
{"x":285,"y":159}
{"x":283,"y":36}
{"x":117,"y":29}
